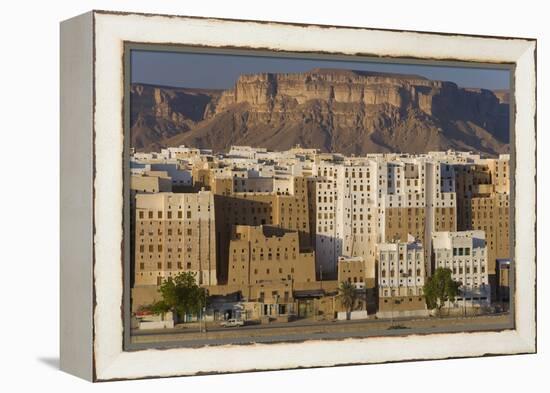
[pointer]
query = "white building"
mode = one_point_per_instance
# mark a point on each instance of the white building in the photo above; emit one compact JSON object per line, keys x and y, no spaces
{"x":346,"y":212}
{"x":180,"y":176}
{"x":401,"y":269}
{"x":328,"y":244}
{"x":401,"y":278}
{"x":356,"y":210}
{"x":465,"y":254}
{"x":354,"y":196}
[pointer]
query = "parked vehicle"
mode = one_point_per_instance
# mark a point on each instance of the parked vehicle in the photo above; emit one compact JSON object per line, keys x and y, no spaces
{"x":232,"y":323}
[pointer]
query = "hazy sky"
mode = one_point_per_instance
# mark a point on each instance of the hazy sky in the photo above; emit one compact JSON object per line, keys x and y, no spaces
{"x":221,"y":71}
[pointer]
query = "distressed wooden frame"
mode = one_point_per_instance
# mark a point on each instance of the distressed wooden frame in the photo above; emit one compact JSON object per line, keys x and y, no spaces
{"x":92,"y":162}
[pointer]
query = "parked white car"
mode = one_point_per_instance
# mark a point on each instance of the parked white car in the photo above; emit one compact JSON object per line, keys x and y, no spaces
{"x":232,"y":323}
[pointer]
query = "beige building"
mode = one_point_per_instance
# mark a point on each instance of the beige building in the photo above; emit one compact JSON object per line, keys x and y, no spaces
{"x":264,"y":254}
{"x":288,"y":212}
{"x":491,"y":214}
{"x":353,"y":270}
{"x":151,"y":182}
{"x":401,"y":277}
{"x":352,"y":211}
{"x":400,"y":222}
{"x":174,"y":233}
{"x":483,"y":196}
{"x":266,"y":263}
{"x":499,"y":168}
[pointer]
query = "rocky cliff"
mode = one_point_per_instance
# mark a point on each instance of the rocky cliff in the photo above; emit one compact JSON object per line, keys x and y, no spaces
{"x":158,"y":113}
{"x":351,"y":112}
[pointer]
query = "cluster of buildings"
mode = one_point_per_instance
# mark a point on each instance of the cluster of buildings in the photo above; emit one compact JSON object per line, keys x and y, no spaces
{"x":273,"y":234}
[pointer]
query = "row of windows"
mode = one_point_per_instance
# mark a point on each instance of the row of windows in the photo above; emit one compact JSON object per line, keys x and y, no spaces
{"x":151,"y":248}
{"x":410,"y":210}
{"x":243,"y":250}
{"x":355,"y":279}
{"x":359,"y":173}
{"x":461,"y":251}
{"x":392,"y":255}
{"x":268,"y":271}
{"x":261,"y":257}
{"x":408,"y":264}
{"x":460,"y":269}
{"x":393,"y":292}
{"x":234,"y":280}
{"x":402,"y":282}
{"x":169,"y":256}
{"x":169,"y":215}
{"x":401,"y":271}
{"x":169,"y":265}
{"x":169,"y":232}
{"x":274,"y":294}
{"x":144,"y":224}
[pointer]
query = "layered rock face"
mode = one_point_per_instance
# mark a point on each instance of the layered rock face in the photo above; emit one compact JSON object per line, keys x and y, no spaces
{"x":350,"y":112}
{"x":158,"y":113}
{"x":352,"y":87}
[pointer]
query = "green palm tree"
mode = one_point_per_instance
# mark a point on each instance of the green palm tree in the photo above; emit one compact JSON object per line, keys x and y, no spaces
{"x":348,"y":297}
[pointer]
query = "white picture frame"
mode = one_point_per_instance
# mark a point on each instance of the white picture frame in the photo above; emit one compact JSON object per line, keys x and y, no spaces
{"x":92,"y":161}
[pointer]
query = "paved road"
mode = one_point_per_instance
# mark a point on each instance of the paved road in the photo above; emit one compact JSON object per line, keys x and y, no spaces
{"x":303,"y":329}
{"x":272,"y":325}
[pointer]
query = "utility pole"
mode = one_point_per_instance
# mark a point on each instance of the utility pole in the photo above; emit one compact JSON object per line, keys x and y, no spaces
{"x":391,"y":313}
{"x":321,"y":273}
{"x":200,"y":254}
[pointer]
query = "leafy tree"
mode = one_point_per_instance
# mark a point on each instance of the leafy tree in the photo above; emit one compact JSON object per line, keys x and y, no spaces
{"x":159,"y":307}
{"x":348,"y":296}
{"x":439,"y":288}
{"x":181,"y":295}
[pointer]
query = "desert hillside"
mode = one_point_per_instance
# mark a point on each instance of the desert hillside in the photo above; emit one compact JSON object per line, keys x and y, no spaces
{"x":351,"y":112}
